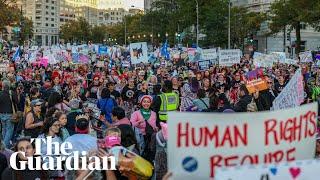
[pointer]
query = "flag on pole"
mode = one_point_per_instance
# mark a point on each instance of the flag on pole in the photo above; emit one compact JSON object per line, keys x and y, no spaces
{"x":16,"y":55}
{"x":164,"y":50}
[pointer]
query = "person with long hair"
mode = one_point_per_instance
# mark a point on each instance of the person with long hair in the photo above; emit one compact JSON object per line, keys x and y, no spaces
{"x":56,"y":100}
{"x":51,"y":128}
{"x":62,"y":118}
{"x":189,"y":93}
{"x":106,"y":104}
{"x":24,"y":145}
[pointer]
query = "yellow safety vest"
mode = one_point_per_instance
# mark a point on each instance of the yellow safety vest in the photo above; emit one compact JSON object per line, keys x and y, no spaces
{"x":169,"y":102}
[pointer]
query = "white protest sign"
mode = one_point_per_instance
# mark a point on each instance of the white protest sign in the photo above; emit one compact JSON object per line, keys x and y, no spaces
{"x":257,"y":54}
{"x":290,"y":61}
{"x":279,"y":56}
{"x":292,"y":95}
{"x":229,"y":57}
{"x":139,"y":52}
{"x":209,"y":54}
{"x":263,"y":60}
{"x":306,"y":169}
{"x":4,"y":66}
{"x":198,"y":143}
{"x":306,"y":56}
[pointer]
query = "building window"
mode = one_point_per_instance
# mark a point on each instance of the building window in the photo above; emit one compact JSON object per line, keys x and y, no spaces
{"x":52,"y":25}
{"x":47,"y":7}
{"x":61,"y":20}
{"x":52,"y":14}
{"x":47,"y":1}
{"x":52,"y":2}
{"x":303,"y":26}
{"x":47,"y":12}
{"x":47,"y":24}
{"x":38,"y":6}
{"x":47,"y":19}
{"x":52,"y":19}
{"x":52,"y":8}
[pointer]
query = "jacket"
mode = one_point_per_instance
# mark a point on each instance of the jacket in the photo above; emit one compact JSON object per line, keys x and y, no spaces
{"x":138,"y":121}
{"x":241,"y":106}
{"x":106,"y":105}
{"x":5,"y":102}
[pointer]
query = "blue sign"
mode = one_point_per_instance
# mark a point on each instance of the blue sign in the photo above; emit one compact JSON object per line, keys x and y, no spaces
{"x":190,"y":164}
{"x":103,"y":50}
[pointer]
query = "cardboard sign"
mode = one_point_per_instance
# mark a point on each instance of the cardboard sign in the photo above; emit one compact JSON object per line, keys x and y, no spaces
{"x":209,"y":54}
{"x":306,"y":169}
{"x":290,"y":61}
{"x":229,"y":57}
{"x":292,"y":95}
{"x":306,"y":57}
{"x":204,"y":65}
{"x":198,"y":143}
{"x":139,"y":52}
{"x":254,"y":74}
{"x":256,"y":85}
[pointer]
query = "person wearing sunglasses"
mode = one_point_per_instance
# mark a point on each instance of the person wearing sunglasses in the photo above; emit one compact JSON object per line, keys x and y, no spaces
{"x":34,"y":121}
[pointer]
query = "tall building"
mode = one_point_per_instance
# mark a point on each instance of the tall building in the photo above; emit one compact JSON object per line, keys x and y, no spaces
{"x":148,"y":4}
{"x":45,"y":17}
{"x":284,"y":40}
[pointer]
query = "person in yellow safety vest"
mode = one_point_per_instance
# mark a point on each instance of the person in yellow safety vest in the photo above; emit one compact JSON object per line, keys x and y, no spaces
{"x":169,"y":101}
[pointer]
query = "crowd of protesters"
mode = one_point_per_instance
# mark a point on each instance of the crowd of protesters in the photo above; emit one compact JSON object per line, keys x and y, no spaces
{"x":132,"y":102}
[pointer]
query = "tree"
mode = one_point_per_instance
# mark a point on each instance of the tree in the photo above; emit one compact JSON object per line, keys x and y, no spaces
{"x":76,"y":31}
{"x":26,"y":32}
{"x":98,"y":33}
{"x":9,"y":13}
{"x":292,"y":13}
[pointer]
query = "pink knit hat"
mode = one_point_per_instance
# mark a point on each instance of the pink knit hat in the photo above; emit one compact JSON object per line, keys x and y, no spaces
{"x":145,"y":96}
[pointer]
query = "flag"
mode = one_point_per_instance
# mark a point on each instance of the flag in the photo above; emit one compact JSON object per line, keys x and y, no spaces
{"x":16,"y":55}
{"x":164,"y":50}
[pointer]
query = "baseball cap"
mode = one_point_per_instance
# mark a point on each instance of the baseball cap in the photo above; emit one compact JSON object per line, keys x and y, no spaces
{"x":37,"y":102}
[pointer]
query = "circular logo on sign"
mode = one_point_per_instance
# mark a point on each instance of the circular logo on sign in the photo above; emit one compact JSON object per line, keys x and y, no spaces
{"x":129,"y":93}
{"x":189,"y":164}
{"x":139,"y":86}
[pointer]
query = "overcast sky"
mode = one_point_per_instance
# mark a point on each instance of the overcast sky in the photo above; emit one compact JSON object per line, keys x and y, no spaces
{"x":136,"y":3}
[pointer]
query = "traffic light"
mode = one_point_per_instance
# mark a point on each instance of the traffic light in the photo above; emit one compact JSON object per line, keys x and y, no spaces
{"x":288,"y":36}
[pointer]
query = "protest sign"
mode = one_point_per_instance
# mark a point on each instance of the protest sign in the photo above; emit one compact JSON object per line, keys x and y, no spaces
{"x":4,"y":66}
{"x":254,"y":74}
{"x":306,"y":57}
{"x":139,"y":52}
{"x":257,"y":54}
{"x":263,"y":60}
{"x":292,"y":95}
{"x":209,"y":54}
{"x":75,"y":57}
{"x":229,"y":57}
{"x":290,"y":61}
{"x":279,"y":56}
{"x":256,"y":85}
{"x":204,"y":65}
{"x":198,"y":143}
{"x":305,"y":169}
{"x":102,"y":50}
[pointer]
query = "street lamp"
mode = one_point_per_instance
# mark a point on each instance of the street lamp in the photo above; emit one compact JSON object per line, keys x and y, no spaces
{"x":144,"y":35}
{"x":158,"y":35}
{"x":138,"y":36}
{"x":167,"y":34}
{"x":125,"y":28}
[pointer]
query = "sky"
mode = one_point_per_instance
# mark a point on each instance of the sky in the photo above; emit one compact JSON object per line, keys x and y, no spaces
{"x":136,"y":3}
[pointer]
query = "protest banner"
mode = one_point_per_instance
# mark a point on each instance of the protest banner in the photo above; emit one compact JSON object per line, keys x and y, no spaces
{"x":139,"y":52}
{"x":304,"y":169}
{"x":4,"y":66}
{"x":254,"y":74}
{"x":204,"y":65}
{"x":256,"y":85}
{"x":198,"y":143}
{"x":229,"y":57}
{"x":257,"y":54}
{"x":209,"y":54}
{"x":306,"y":57}
{"x":263,"y":60}
{"x":292,"y":95}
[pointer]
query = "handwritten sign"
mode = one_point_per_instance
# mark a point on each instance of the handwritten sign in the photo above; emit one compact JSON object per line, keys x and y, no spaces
{"x":305,"y":56}
{"x":198,"y":143}
{"x":292,"y":95}
{"x":229,"y":57}
{"x":279,"y":56}
{"x":290,"y":61}
{"x":4,"y":66}
{"x":306,"y":169}
{"x":209,"y":54}
{"x":263,"y":60}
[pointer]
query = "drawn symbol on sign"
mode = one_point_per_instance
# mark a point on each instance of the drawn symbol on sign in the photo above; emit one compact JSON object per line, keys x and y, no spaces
{"x":190,"y":164}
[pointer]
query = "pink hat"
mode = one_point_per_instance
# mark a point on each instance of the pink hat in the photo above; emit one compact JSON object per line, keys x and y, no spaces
{"x":145,"y":96}
{"x":164,"y":130}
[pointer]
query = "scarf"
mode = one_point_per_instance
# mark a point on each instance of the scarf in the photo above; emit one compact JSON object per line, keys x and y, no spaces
{"x":146,"y":113}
